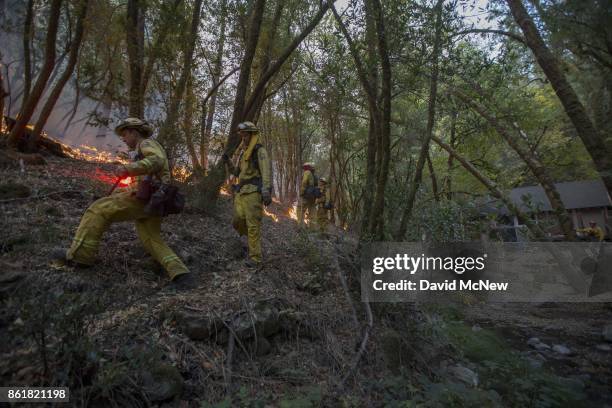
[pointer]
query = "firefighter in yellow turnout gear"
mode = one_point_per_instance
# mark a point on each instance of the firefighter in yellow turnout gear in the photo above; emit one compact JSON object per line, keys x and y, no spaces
{"x":125,"y":206}
{"x":324,"y":205}
{"x":308,"y":204}
{"x":593,"y":232}
{"x":254,"y":172}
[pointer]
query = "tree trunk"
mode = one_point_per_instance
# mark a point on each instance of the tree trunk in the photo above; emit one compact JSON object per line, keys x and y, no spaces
{"x":449,"y":163}
{"x":536,"y":167}
{"x":431,"y":115}
{"x":27,"y":109}
{"x":135,"y":44}
{"x":598,"y":147}
{"x":75,"y":46}
{"x":495,"y":191}
{"x":366,"y":78}
{"x":3,"y":94}
{"x":188,"y":126}
{"x":27,"y":55}
{"x":251,"y":106}
{"x":245,"y":74}
{"x":377,"y":219}
{"x":175,"y":101}
{"x":434,"y":180}
{"x":208,"y":115}
{"x":155,"y":51}
{"x":216,"y":176}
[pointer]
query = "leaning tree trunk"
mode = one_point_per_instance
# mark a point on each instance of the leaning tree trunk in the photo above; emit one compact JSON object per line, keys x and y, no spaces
{"x":598,"y":147}
{"x":156,"y":50}
{"x":251,"y":106}
{"x":28,"y":107}
{"x":245,"y":74}
{"x":75,"y":46}
{"x":532,"y":162}
{"x":216,"y":175}
{"x":431,"y":116}
{"x":492,"y":187}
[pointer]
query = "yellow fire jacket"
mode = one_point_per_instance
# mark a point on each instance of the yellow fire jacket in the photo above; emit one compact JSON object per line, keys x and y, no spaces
{"x":249,"y":169}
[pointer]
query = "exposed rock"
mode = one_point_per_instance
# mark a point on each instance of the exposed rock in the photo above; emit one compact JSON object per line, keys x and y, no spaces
{"x":162,"y":382}
{"x":561,"y":349}
{"x":537,"y":344}
{"x":604,"y":347}
{"x":533,"y":341}
{"x":296,"y":323}
{"x":262,"y":320}
{"x":198,"y":327}
{"x":542,"y":347}
{"x":464,"y":374}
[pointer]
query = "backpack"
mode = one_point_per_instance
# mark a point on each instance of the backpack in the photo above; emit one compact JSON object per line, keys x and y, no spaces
{"x":159,"y":203}
{"x":313,"y":191}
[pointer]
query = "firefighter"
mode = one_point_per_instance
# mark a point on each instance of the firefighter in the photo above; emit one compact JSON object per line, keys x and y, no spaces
{"x":593,"y":232}
{"x":324,"y":204}
{"x":254,"y":188}
{"x":150,"y":163}
{"x":308,"y":194}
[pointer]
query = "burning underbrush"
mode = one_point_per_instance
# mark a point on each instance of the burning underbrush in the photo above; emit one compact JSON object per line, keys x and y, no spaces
{"x":117,"y":336}
{"x":285,"y":335}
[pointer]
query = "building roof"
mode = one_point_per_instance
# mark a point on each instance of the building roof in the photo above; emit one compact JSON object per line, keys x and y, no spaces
{"x":574,"y":195}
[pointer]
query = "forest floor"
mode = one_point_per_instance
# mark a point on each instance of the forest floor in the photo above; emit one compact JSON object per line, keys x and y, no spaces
{"x":285,"y":335}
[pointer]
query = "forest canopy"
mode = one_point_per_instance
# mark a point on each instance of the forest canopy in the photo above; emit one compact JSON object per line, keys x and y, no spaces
{"x":416,"y":111}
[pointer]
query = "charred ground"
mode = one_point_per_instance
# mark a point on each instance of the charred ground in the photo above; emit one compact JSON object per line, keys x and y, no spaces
{"x":283,"y":336}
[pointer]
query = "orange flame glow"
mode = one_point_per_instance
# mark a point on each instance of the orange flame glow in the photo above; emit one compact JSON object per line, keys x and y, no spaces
{"x":271,"y":215}
{"x":126,"y":181}
{"x":292,"y":213}
{"x":181,"y":174}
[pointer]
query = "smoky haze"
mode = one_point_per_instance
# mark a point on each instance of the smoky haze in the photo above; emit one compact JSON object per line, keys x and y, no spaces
{"x":80,"y":131}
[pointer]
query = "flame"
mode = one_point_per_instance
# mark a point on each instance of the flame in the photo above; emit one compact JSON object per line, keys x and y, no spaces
{"x":126,"y":181}
{"x":292,"y":213}
{"x":271,"y":215}
{"x":225,"y":191}
{"x":90,"y":153}
{"x":181,"y":174}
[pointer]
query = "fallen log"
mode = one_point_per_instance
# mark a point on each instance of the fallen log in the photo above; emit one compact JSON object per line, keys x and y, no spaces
{"x":44,"y":143}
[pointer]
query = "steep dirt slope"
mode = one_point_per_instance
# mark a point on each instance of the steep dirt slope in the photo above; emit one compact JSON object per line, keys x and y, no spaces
{"x":282,"y":336}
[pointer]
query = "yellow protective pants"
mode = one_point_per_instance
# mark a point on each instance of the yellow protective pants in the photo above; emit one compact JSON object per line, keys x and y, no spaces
{"x":322,"y":218}
{"x":307,"y":207}
{"x":116,"y":208}
{"x":248,"y":212}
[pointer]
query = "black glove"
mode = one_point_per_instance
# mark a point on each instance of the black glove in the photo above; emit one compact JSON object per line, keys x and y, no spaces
{"x":266,"y":197}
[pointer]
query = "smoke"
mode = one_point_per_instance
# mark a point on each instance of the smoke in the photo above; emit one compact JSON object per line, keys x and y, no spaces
{"x":80,"y":130}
